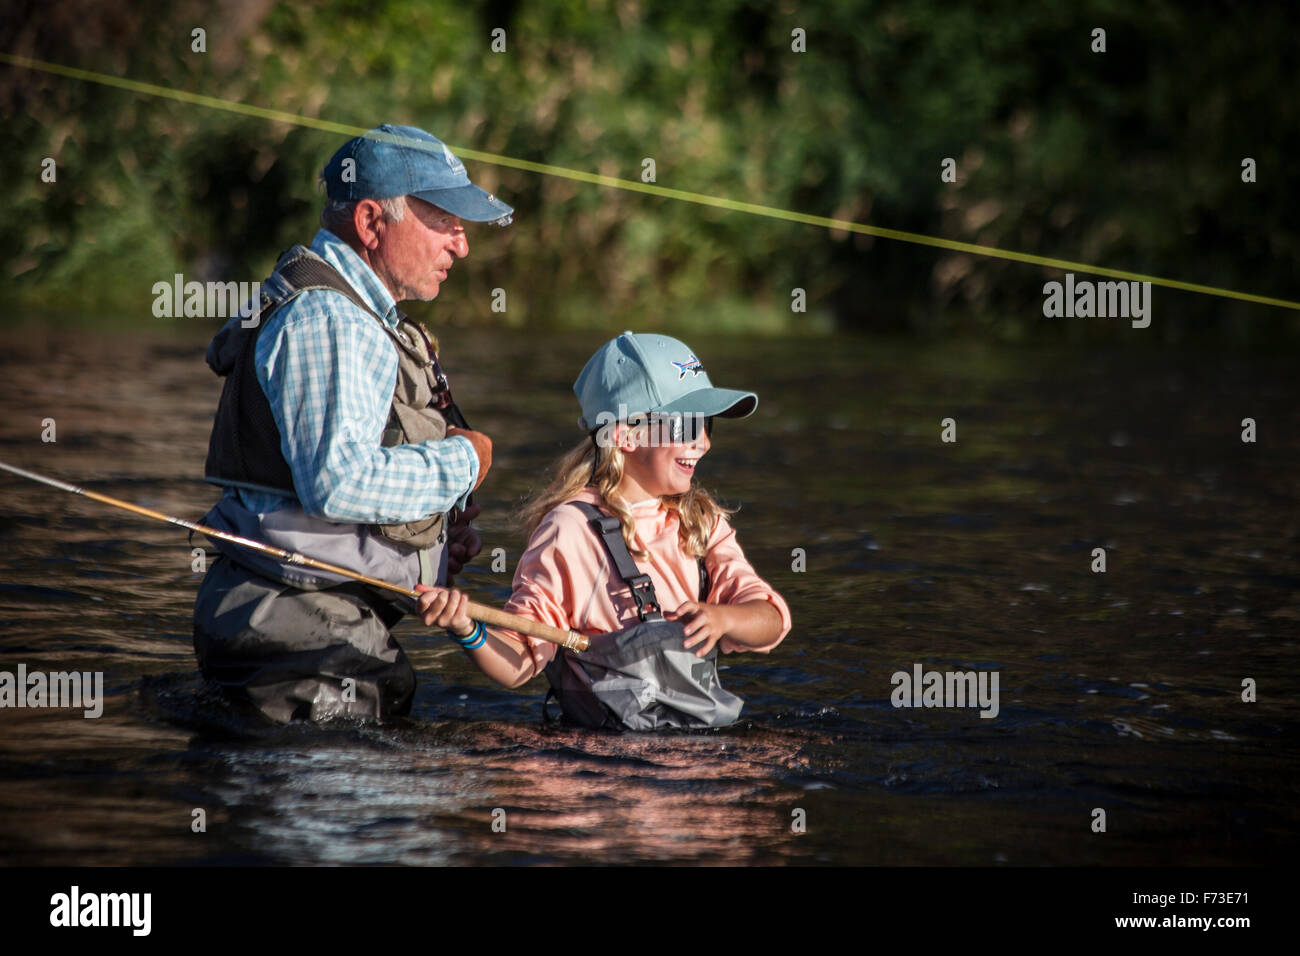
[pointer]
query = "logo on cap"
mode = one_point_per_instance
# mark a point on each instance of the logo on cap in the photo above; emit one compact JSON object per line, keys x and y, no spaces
{"x":692,"y":364}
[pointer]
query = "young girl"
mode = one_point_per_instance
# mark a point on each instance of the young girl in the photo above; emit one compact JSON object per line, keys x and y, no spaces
{"x":648,"y":407}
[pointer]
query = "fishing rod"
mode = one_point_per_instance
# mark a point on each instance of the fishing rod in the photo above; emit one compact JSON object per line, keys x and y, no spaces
{"x":477,"y":612}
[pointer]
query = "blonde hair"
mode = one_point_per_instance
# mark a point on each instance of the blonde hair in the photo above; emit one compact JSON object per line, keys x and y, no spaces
{"x":601,"y":467}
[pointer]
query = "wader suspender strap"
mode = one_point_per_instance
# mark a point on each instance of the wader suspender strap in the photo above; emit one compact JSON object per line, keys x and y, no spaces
{"x":610,"y":532}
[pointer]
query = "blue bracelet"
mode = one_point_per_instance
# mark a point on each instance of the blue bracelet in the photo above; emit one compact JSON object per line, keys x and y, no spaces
{"x":473,"y":640}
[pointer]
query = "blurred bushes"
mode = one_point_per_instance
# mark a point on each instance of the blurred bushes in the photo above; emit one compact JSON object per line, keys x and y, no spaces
{"x":1129,"y":159}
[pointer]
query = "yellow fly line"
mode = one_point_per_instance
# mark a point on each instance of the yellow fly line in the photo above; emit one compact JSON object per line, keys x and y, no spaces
{"x":653,"y":189}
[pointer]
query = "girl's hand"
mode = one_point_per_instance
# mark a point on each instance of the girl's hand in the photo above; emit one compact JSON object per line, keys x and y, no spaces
{"x":705,"y":624}
{"x":446,"y":608}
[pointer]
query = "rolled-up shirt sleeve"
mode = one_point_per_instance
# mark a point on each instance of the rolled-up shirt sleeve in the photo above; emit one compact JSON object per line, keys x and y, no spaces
{"x":733,"y":580}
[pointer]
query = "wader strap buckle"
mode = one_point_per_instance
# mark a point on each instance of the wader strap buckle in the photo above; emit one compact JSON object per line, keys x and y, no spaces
{"x":643,"y":592}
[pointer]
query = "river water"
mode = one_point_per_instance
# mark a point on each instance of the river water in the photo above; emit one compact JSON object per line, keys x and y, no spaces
{"x":1118,"y":691}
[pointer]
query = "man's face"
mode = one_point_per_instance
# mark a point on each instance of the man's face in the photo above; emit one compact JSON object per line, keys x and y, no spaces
{"x":414,"y":256}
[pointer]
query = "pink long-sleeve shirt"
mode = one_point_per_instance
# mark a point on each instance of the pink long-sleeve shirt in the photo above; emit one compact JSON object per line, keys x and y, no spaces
{"x":566,"y":579}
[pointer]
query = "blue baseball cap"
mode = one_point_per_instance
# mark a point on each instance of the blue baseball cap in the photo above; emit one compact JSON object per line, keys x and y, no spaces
{"x":391,"y":161}
{"x":644,"y":373}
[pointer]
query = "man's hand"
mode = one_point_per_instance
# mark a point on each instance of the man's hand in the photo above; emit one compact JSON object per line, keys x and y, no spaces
{"x":463,"y":542}
{"x":482,"y":447}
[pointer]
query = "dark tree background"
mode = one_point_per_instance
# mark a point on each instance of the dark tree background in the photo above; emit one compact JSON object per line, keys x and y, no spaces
{"x":1129,"y":159}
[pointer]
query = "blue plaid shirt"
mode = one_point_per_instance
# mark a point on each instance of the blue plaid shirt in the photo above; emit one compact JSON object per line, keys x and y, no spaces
{"x":329,"y":372}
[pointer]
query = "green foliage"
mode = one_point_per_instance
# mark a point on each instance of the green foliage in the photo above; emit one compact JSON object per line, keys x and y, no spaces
{"x":1129,"y":159}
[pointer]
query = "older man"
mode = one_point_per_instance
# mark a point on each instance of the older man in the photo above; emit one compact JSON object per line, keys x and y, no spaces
{"x":335,"y":437}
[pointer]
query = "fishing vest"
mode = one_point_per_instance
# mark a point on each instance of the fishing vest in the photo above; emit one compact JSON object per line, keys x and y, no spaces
{"x":244,"y":449}
{"x":640,"y":678}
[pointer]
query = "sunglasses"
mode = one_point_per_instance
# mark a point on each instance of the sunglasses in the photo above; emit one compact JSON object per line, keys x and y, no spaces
{"x":678,"y":429}
{"x":681,"y":428}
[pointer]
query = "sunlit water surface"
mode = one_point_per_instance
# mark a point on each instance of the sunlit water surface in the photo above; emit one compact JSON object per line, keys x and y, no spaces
{"x":1119,"y":691}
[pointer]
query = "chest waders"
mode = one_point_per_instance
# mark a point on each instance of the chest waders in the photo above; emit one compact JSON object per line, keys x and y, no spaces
{"x":296,"y":644}
{"x":640,"y":678}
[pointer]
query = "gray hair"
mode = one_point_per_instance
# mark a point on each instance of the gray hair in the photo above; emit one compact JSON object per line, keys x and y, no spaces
{"x":337,"y":213}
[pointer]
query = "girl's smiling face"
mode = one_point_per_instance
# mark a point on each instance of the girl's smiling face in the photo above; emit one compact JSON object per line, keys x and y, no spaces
{"x":653,"y":465}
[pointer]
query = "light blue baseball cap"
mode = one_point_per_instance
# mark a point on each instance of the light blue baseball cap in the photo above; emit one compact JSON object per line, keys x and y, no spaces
{"x":391,"y":161}
{"x":644,"y":373}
